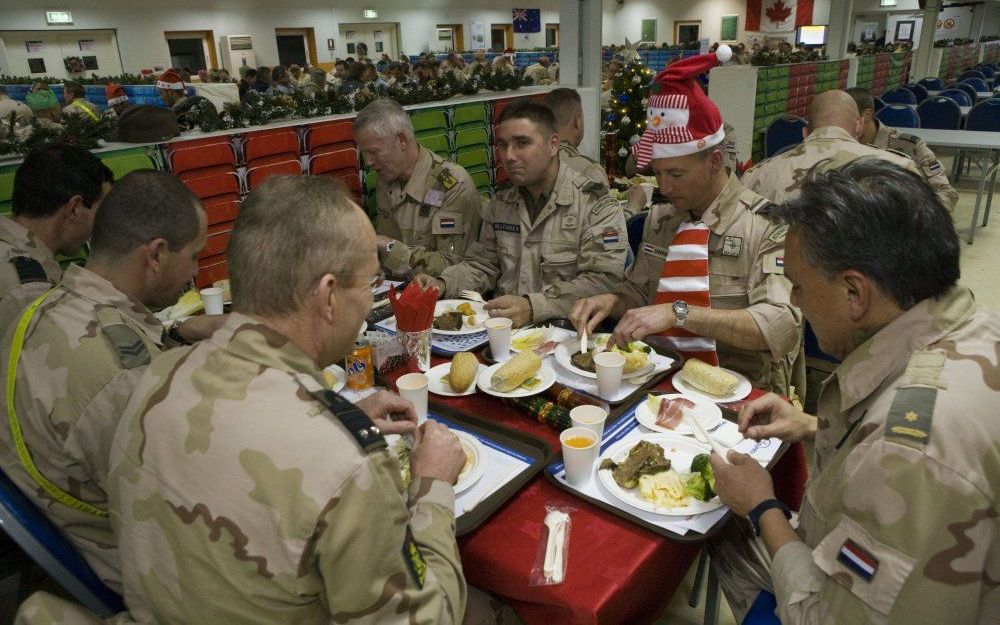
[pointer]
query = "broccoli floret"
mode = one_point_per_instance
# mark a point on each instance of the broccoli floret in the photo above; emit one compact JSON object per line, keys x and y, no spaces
{"x":697,"y":486}
{"x":701,"y":465}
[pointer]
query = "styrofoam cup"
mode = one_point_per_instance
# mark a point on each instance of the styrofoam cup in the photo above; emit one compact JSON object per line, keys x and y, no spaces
{"x":579,"y":461}
{"x":609,"y":367}
{"x":413,"y":387}
{"x":212,"y":298}
{"x":498,"y":329}
{"x":590,"y":417}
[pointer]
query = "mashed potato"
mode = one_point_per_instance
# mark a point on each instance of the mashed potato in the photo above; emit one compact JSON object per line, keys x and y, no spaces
{"x":664,"y":489}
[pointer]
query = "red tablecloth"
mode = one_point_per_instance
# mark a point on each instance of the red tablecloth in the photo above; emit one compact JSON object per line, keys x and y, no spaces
{"x":617,"y":572}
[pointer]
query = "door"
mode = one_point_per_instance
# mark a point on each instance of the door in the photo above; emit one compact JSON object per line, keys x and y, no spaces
{"x":192,"y":49}
{"x":377,"y":38}
{"x":501,"y":37}
{"x":687,"y":32}
{"x":296,"y":46}
{"x":42,"y":53}
{"x":451,"y":37}
{"x":552,"y":35}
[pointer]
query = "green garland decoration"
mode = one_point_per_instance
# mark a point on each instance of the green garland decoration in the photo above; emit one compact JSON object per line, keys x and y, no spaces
{"x":79,"y":130}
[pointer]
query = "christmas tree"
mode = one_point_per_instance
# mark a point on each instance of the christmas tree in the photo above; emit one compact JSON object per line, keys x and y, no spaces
{"x":625,"y":116}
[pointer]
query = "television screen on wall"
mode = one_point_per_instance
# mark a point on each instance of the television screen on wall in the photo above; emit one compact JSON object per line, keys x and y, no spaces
{"x":811,"y":35}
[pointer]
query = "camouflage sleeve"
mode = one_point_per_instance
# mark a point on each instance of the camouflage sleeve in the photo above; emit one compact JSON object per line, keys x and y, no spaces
{"x":600,"y":267}
{"x":915,"y":548}
{"x":455,"y":227}
{"x":770,"y":296}
{"x":935,"y":175}
{"x":480,"y":268}
{"x":595,"y":172}
{"x":383,"y":562}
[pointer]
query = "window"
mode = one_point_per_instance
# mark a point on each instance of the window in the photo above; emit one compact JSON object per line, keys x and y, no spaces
{"x":687,"y":32}
{"x":551,"y":35}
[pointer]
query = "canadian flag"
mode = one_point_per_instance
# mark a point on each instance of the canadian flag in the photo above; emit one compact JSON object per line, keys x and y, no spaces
{"x":777,"y":16}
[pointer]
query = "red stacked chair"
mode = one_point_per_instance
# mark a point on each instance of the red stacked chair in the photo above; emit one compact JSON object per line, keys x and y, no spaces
{"x":271,"y":152}
{"x":332,"y":152}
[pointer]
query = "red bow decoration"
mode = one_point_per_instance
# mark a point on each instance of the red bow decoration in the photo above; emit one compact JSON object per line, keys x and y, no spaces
{"x":414,"y":309}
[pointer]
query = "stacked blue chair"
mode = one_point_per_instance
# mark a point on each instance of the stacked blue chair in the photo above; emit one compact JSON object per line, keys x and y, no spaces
{"x":899,"y":95}
{"x":960,"y":97}
{"x":979,"y":83}
{"x":898,"y":116}
{"x":985,"y":117}
{"x":931,"y":83}
{"x":972,"y":73}
{"x":783,"y":132}
{"x":968,"y":89}
{"x":940,"y":112}
{"x":919,"y":91}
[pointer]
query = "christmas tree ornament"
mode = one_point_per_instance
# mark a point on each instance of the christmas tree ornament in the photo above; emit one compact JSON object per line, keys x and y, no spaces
{"x":636,"y":79}
{"x":623,"y":153}
{"x":634,"y":139}
{"x":626,"y":120}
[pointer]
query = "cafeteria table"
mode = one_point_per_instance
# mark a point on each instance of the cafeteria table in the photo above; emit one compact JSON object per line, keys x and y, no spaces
{"x":985,"y":146}
{"x":617,"y":572}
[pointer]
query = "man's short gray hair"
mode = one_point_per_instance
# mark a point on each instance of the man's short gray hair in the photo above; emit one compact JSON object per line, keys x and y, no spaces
{"x":290,"y":232}
{"x":386,"y":117}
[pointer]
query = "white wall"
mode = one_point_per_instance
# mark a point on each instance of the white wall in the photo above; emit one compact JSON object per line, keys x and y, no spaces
{"x":140,"y":24}
{"x":991,"y":23}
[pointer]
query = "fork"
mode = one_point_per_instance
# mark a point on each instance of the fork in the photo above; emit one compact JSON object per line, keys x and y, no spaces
{"x":472,"y":295}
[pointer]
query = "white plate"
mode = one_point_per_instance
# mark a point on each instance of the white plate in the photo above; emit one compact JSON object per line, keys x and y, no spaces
{"x":546,"y":374}
{"x":742,"y":389}
{"x":447,"y":305}
{"x":565,"y":350}
{"x":708,"y":414}
{"x":438,"y":386}
{"x":473,"y":470}
{"x":544,"y":332}
{"x":340,"y":375}
{"x":680,"y":450}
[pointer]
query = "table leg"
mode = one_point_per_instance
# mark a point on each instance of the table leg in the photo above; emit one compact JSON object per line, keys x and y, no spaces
{"x":975,"y":211}
{"x":699,"y":577}
{"x":712,"y":597}
{"x":992,"y":186}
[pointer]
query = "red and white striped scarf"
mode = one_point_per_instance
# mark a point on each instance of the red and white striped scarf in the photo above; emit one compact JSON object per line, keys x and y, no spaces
{"x":685,"y":277}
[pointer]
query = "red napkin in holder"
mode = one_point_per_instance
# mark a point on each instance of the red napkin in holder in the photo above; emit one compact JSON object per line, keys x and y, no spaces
{"x":414,"y":309}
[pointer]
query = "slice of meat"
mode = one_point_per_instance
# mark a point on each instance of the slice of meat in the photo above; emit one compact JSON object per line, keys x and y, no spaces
{"x":670,"y":414}
{"x":686,"y":403}
{"x":546,"y":348}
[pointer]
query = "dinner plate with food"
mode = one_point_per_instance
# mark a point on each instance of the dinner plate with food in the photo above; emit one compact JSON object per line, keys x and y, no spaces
{"x":471,"y":472}
{"x":527,"y":339}
{"x":457,"y":317}
{"x":456,"y":378}
{"x":336,"y":378}
{"x":715,"y":383}
{"x":666,"y":474}
{"x":667,"y":413}
{"x":523,"y":375}
{"x":638,"y":360}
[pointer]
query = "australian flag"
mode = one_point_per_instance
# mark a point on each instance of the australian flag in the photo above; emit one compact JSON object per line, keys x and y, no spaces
{"x":527,"y":20}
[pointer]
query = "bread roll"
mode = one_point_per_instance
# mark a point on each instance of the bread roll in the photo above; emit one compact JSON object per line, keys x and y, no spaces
{"x":709,"y":379}
{"x":516,"y":372}
{"x":464,"y":368}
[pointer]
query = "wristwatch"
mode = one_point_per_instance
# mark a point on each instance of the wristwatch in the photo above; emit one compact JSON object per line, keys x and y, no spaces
{"x":388,"y":246}
{"x":680,"y":313}
{"x":763,"y":507}
{"x":174,"y":332}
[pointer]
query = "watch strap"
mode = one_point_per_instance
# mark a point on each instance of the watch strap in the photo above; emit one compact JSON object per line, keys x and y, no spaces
{"x":763,"y":507}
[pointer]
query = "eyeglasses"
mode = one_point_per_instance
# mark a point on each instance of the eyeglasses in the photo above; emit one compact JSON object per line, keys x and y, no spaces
{"x":374,"y":280}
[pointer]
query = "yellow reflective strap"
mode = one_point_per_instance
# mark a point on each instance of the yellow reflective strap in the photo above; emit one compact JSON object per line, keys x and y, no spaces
{"x":86,"y":109}
{"x":15,"y":426}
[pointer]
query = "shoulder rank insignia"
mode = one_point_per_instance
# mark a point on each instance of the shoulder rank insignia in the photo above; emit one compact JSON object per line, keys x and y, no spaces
{"x":357,"y":423}
{"x":414,"y":559}
{"x":763,"y":207}
{"x":446,"y":179}
{"x":28,"y":269}
{"x":128,"y":346}
{"x":732,"y":246}
{"x":910,"y":416}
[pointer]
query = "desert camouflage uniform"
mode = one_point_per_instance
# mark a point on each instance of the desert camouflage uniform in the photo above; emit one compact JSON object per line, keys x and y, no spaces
{"x":730,"y":155}
{"x":538,"y":73}
{"x":889,"y":138}
{"x":27,"y":269}
{"x":746,"y":272}
{"x":243,"y":492}
{"x":575,"y":247}
{"x":83,"y":352}
{"x":9,"y":105}
{"x":780,"y":177}
{"x":907,"y":463}
{"x":434,"y":216}
{"x":589,"y":168}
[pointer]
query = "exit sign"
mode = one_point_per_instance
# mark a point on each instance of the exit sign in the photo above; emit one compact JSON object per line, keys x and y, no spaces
{"x":58,"y":18}
{"x":887,"y":3}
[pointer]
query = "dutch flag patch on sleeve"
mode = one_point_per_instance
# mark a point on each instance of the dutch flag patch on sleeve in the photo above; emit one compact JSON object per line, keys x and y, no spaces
{"x":609,"y":236}
{"x":447,"y":223}
{"x":858,"y":559}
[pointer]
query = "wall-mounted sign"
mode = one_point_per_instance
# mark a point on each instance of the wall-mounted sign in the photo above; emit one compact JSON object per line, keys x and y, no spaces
{"x":370,"y":14}
{"x":887,"y":3}
{"x":58,"y":18}
{"x":34,"y":46}
{"x":86,"y":45}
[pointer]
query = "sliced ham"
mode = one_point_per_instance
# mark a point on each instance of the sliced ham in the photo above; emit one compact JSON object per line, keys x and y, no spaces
{"x":546,"y":348}
{"x":671,"y":412}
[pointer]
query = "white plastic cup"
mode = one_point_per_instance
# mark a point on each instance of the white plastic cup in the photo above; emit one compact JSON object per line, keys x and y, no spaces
{"x":648,"y":188}
{"x":212,"y":298}
{"x":413,"y":387}
{"x":609,"y":367}
{"x":590,"y":417}
{"x":579,"y":460}
{"x":498,"y":329}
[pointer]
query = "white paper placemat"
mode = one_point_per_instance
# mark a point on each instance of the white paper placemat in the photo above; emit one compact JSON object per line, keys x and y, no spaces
{"x":442,"y":344}
{"x":627,"y":428}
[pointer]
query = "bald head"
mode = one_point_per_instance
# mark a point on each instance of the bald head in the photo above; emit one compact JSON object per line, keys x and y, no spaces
{"x":834,"y":108}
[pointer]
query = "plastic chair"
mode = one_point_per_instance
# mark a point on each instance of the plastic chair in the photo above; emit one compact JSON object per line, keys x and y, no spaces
{"x":122,"y":165}
{"x":189,"y":158}
{"x":325,"y":162}
{"x":429,"y":123}
{"x":899,"y":95}
{"x":45,"y":544}
{"x":227,"y":183}
{"x":784,"y":131}
{"x":256,"y":175}
{"x":438,"y":144}
{"x":968,"y":89}
{"x":931,"y":83}
{"x":898,"y":116}
{"x":971,"y":73}
{"x":960,"y":97}
{"x":469,"y":115}
{"x":940,"y":112}
{"x":482,"y":179}
{"x":474,"y":159}
{"x":259,"y":145}
{"x":879,"y":104}
{"x":919,"y":91}
{"x":471,"y":137}
{"x":979,"y":83}
{"x":328,"y":134}
{"x":762,"y":612}
{"x":634,"y":227}
{"x":7,"y":184}
{"x":987,"y":71}
{"x":985,"y":116}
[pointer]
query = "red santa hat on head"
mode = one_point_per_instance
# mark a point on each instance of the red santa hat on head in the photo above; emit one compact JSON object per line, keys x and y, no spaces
{"x":680,"y":119}
{"x":116,"y":94}
{"x":170,"y":79}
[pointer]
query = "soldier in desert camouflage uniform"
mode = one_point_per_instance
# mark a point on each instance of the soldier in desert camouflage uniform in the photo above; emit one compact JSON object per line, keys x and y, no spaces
{"x":57,"y":190}
{"x":568,"y":110}
{"x":243,"y":491}
{"x":428,"y":207}
{"x":834,"y":124}
{"x":85,"y":346}
{"x":755,"y":329}
{"x":899,"y":523}
{"x":874,"y":132}
{"x":550,"y":238}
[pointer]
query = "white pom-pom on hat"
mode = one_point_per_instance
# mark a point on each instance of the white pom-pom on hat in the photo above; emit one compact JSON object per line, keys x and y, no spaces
{"x":724,"y":53}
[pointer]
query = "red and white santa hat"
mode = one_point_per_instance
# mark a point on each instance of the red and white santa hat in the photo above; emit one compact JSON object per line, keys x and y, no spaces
{"x":170,"y":79}
{"x":116,"y":94}
{"x":680,"y":119}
